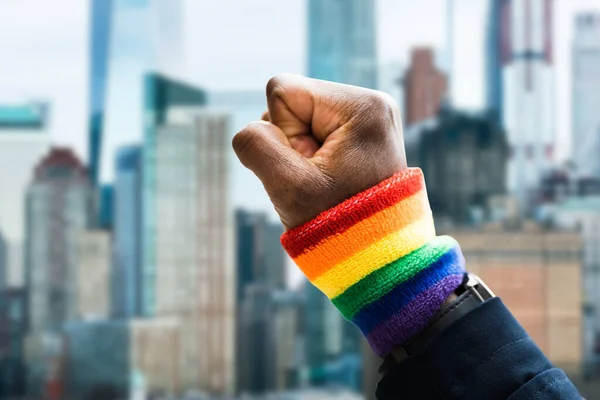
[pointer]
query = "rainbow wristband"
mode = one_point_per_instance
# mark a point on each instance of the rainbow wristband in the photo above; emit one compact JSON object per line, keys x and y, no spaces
{"x":376,"y":256}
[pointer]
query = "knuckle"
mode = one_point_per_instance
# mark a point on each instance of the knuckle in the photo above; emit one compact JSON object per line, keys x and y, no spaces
{"x":244,"y":141}
{"x":382,"y":101}
{"x":275,"y":85}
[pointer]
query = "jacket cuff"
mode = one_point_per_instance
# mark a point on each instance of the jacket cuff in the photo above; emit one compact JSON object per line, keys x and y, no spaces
{"x":376,"y":256}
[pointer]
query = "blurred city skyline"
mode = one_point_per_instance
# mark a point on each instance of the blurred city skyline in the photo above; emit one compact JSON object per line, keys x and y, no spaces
{"x":127,"y":223}
{"x":45,"y":56}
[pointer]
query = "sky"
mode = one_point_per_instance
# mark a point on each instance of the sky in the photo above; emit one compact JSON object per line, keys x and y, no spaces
{"x":239,"y":44}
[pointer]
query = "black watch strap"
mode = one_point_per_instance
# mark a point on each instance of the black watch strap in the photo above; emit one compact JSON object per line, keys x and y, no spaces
{"x":470,"y":294}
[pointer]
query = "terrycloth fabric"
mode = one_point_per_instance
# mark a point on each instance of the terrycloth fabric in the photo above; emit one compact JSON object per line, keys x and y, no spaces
{"x":376,"y":256}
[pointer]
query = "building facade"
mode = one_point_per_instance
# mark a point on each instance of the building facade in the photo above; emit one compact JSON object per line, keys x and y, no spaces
{"x":260,"y":271}
{"x":188,"y":237}
{"x":13,"y":326}
{"x":3,"y":262}
{"x":161,"y":95}
{"x":425,"y":87}
{"x":586,"y":96}
{"x":464,"y":160}
{"x":127,"y":233}
{"x":267,"y":349}
{"x":324,"y":331}
{"x":94,"y":262}
{"x":342,"y":41}
{"x":582,"y":214}
{"x":123,"y":358}
{"x":537,"y":273}
{"x":24,"y":139}
{"x":260,"y":257}
{"x":528,"y":92}
{"x":57,"y":210}
{"x":244,"y":106}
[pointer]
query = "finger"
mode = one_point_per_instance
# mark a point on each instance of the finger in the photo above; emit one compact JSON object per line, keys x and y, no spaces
{"x":264,"y":149}
{"x":265,"y":116}
{"x":303,"y":106}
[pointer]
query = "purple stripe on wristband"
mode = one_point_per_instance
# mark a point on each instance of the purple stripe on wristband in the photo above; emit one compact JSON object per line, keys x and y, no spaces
{"x":413,"y":318}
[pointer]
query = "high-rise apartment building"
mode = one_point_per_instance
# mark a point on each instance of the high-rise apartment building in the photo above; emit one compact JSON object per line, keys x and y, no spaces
{"x":127,"y":234}
{"x":188,"y":264}
{"x":586,"y":96}
{"x":24,"y":139}
{"x":424,"y":87}
{"x":528,"y":92}
{"x":57,"y":211}
{"x":342,"y":41}
{"x":94,"y":261}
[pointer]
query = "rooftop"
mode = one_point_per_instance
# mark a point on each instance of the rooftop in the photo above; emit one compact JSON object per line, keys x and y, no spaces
{"x":22,"y":116}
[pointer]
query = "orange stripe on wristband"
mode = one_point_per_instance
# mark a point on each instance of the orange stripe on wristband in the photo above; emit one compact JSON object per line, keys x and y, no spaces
{"x":387,"y":193}
{"x":392,"y":247}
{"x":340,"y":247}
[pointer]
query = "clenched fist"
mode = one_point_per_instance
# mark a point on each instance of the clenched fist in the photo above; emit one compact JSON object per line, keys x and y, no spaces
{"x":320,"y":143}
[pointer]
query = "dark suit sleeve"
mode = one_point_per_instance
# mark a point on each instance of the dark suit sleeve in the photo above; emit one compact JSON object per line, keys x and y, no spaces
{"x":486,"y":355}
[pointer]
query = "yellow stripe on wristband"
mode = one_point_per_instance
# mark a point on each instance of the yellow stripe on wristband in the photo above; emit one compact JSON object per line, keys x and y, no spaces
{"x":390,"y":248}
{"x":338,"y":248}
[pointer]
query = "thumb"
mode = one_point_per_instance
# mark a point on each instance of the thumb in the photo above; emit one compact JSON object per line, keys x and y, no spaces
{"x":264,"y":149}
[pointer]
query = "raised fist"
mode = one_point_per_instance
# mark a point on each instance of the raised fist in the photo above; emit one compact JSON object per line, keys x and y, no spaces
{"x":320,"y":143}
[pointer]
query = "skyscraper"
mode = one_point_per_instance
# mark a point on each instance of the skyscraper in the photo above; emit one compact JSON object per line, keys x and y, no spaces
{"x":94,"y":261}
{"x":100,"y":35}
{"x":243,"y":106}
{"x":3,"y":263}
{"x":188,"y":265}
{"x":260,"y":271}
{"x":13,"y":325}
{"x":424,"y":87}
{"x":145,"y":36}
{"x":260,"y":258}
{"x":528,"y":74}
{"x":497,"y":20}
{"x":57,"y":208}
{"x":24,"y":139}
{"x":324,"y":327}
{"x":586,"y":96}
{"x":342,"y":41}
{"x":460,"y":147}
{"x":127,"y":273}
{"x":161,"y":95}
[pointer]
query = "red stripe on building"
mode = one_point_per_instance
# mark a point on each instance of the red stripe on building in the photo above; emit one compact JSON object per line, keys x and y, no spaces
{"x":506,"y":34}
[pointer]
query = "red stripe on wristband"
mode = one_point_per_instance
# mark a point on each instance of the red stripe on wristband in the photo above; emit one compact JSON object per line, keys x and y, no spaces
{"x":353,"y":210}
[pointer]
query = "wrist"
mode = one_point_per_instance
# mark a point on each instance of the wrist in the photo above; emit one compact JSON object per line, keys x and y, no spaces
{"x":376,"y":256}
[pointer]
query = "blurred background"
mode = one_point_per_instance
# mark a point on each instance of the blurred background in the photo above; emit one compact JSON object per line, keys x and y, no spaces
{"x":140,"y":260}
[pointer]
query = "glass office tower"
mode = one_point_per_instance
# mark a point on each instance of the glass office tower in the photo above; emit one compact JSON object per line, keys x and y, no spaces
{"x":342,"y":45}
